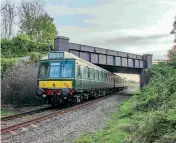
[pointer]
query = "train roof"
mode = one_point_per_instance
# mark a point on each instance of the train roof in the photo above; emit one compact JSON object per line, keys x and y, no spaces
{"x":69,"y":56}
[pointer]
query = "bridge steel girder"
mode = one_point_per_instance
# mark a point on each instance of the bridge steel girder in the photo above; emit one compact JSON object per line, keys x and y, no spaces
{"x":114,"y":61}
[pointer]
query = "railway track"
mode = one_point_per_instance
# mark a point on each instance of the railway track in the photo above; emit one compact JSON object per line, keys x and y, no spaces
{"x":56,"y":113}
{"x":25,"y":113}
{"x":44,"y":117}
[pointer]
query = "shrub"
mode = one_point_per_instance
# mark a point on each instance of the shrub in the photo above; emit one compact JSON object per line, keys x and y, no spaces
{"x":21,"y":46}
{"x":35,"y":57}
{"x":152,"y":127}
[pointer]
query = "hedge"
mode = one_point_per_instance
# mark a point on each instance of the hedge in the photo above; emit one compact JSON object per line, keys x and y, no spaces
{"x":21,"y":46}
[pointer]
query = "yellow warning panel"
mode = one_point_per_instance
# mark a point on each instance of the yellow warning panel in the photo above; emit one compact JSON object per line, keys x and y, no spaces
{"x":55,"y":84}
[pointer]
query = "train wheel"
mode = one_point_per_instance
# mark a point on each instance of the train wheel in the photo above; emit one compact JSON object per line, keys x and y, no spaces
{"x":78,"y":98}
{"x":95,"y":94}
{"x":86,"y":96}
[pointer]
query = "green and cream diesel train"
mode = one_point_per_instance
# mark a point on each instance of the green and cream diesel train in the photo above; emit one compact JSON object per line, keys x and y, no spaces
{"x":64,"y":77}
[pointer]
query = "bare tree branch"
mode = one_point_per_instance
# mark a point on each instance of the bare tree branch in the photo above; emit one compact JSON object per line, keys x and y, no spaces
{"x":8,"y":15}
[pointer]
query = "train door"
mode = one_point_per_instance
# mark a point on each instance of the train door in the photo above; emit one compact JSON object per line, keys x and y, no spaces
{"x":78,"y":77}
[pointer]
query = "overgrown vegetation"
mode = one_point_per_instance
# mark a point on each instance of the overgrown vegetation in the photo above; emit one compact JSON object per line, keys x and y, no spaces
{"x":35,"y":57}
{"x":148,"y":117}
{"x":17,"y":47}
{"x":21,"y":46}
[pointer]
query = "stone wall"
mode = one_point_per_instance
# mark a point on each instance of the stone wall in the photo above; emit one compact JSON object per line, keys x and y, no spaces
{"x":19,"y":85}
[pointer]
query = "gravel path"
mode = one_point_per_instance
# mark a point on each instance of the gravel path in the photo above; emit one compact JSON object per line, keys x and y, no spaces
{"x":69,"y":126}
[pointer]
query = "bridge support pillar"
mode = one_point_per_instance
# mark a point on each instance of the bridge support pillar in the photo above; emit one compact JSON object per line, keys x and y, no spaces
{"x":61,"y":43}
{"x":145,"y":73}
{"x":145,"y":76}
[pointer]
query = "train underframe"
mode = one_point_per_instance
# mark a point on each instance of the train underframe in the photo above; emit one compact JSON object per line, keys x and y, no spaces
{"x":56,"y":97}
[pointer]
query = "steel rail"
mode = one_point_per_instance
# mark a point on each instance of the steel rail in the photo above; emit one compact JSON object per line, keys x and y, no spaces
{"x":38,"y":119}
{"x":58,"y":112}
{"x":25,"y":113}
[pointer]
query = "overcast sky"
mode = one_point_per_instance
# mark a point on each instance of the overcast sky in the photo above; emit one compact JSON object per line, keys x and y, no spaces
{"x":135,"y":26}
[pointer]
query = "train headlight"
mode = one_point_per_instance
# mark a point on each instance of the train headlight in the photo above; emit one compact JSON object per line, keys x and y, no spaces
{"x":44,"y":95}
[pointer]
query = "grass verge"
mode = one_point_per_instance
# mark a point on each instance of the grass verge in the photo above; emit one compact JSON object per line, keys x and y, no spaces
{"x":148,"y":117}
{"x":6,"y":112}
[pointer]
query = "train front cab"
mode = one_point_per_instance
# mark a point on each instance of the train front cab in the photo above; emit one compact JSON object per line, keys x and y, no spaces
{"x":56,"y":80}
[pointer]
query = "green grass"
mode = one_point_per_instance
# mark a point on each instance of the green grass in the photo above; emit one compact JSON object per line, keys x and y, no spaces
{"x":117,"y":129}
{"x":5,"y":112}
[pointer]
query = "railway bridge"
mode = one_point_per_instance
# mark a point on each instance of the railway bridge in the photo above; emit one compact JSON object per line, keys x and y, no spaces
{"x":111,"y":60}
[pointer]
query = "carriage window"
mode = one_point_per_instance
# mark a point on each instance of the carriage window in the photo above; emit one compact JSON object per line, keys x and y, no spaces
{"x":88,"y":71}
{"x":55,"y":69}
{"x":85,"y":72}
{"x":93,"y":74}
{"x":102,"y":76}
{"x":99,"y":75}
{"x":44,"y":70}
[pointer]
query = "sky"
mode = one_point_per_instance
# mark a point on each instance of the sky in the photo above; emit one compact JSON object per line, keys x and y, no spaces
{"x":134,"y":26}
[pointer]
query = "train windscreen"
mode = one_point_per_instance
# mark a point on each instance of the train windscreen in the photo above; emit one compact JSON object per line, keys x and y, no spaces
{"x":55,"y":69}
{"x":59,"y":69}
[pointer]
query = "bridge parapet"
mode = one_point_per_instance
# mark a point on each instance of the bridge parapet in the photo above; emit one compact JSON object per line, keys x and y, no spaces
{"x":102,"y":56}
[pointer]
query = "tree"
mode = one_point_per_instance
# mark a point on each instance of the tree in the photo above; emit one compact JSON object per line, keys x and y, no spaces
{"x":35,"y":22}
{"x":8,"y":16}
{"x":45,"y":28}
{"x":29,"y":11}
{"x":172,"y":54}
{"x":174,"y":29}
